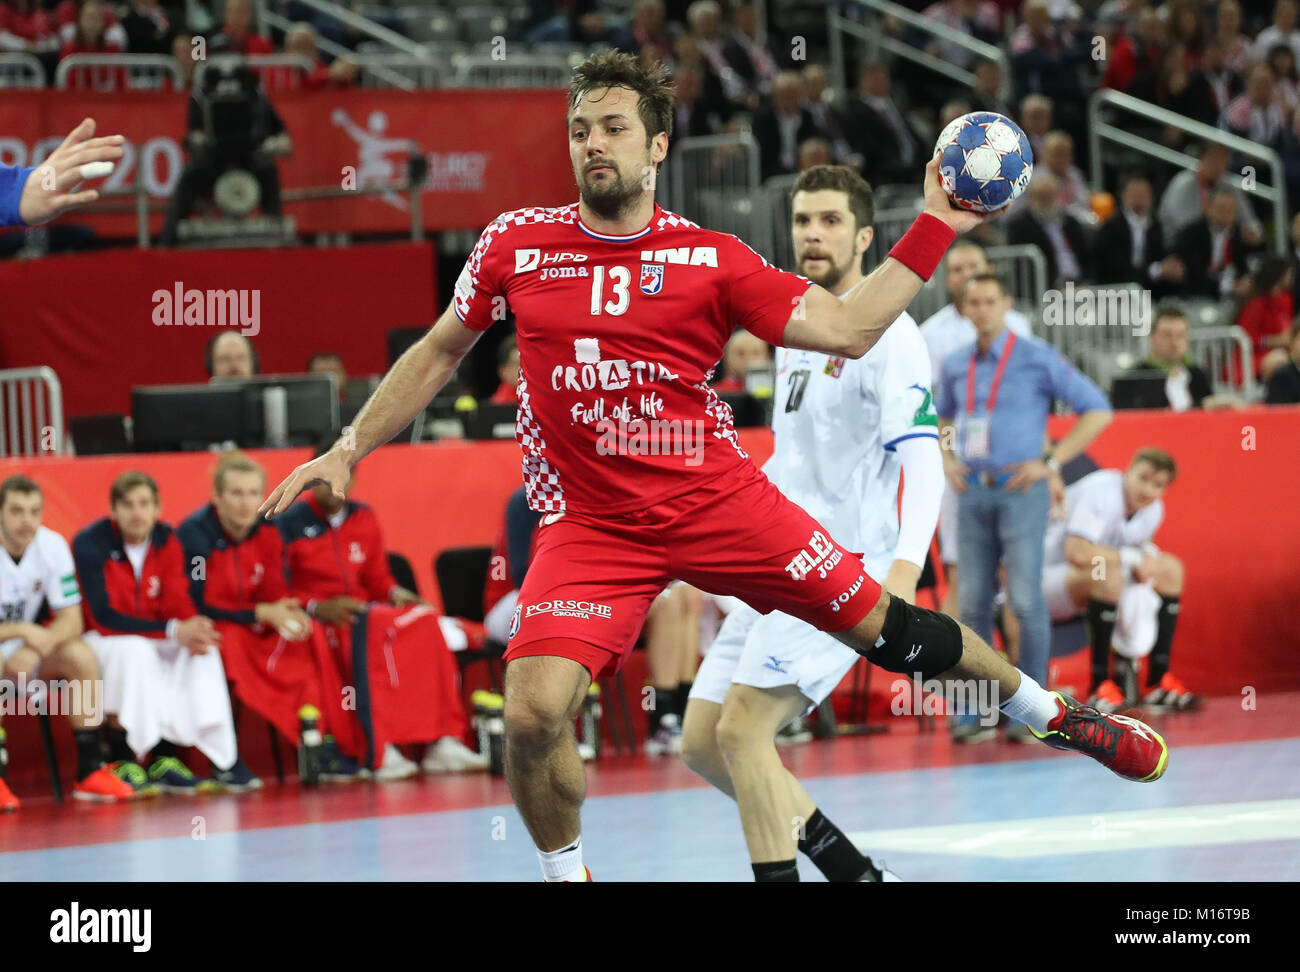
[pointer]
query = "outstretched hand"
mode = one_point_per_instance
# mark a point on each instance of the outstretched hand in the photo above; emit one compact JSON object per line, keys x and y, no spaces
{"x":938,"y":204}
{"x":49,"y":190}
{"x":329,"y":468}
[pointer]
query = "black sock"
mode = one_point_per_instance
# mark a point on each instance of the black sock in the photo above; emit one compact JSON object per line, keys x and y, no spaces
{"x":665,"y":700}
{"x":776,"y":871}
{"x":683,"y":692}
{"x":1166,"y":621}
{"x":1101,"y":625}
{"x":88,"y":758}
{"x":832,"y":852}
{"x":4,"y":755}
{"x":163,"y":750}
{"x":115,"y":748}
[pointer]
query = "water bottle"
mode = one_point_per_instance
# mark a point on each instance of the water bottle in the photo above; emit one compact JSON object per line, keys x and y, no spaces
{"x":309,"y":745}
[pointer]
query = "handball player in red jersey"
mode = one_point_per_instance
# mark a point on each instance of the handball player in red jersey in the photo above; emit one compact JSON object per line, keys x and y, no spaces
{"x":622,"y":310}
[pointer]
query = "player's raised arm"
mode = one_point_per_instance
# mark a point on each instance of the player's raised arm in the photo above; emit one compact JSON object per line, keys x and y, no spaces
{"x":852,"y":326}
{"x":409,"y":386}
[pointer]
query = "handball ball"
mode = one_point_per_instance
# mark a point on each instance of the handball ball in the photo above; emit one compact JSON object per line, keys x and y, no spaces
{"x":985,"y":162}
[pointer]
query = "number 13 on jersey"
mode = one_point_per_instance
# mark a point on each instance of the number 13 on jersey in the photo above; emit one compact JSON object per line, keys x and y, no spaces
{"x":619,"y":278}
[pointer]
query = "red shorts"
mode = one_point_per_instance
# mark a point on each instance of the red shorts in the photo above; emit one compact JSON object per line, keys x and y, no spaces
{"x":592,"y":579}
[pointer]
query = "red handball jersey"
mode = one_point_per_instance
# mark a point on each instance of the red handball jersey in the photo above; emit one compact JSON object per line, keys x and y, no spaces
{"x":618,"y":339}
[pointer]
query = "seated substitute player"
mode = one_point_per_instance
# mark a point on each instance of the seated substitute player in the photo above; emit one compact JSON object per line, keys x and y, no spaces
{"x":164,"y":685}
{"x":35,"y":568}
{"x":1132,"y":604}
{"x":619,"y":349}
{"x":378,"y":631}
{"x":845,"y":430}
{"x":237,"y":579}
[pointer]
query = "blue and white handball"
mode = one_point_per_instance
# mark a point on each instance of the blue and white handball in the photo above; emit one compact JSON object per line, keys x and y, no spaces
{"x":986,"y":161}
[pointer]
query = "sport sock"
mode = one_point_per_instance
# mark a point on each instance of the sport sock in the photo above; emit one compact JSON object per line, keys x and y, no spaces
{"x":117,"y":751}
{"x":88,"y":758}
{"x":683,"y":694}
{"x":832,"y":852}
{"x":771,"y":871}
{"x":665,"y":703}
{"x":1101,"y":625}
{"x":564,"y":864}
{"x":1032,"y":705}
{"x":1166,"y":621}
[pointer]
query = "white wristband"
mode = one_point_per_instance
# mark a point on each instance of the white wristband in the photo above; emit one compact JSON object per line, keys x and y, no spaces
{"x":1129,"y":558}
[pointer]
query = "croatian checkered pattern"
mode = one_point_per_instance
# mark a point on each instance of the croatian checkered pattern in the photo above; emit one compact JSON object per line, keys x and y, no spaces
{"x":673,"y":221}
{"x":721,"y":414}
{"x":541,"y":481}
{"x":519,"y":217}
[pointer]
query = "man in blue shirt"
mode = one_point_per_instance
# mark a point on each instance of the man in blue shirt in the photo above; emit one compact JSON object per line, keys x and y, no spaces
{"x":993,"y":399}
{"x":31,"y":195}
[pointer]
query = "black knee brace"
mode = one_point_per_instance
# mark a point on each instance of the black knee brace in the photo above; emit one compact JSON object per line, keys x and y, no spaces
{"x":915,"y":640}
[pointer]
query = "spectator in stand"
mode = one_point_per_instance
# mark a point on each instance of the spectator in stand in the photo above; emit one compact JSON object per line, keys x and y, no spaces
{"x":979,"y":19}
{"x":1281,"y":31}
{"x":1186,"y":28}
{"x":1036,"y":121}
{"x":330,"y":363}
{"x":1045,"y":223}
{"x":693,"y":113}
{"x":817,"y":99}
{"x":27,"y":28}
{"x":1214,"y":251}
{"x":1236,"y":46}
{"x":1187,"y":195}
{"x":752,"y":60}
{"x":1282,"y":62}
{"x":704,"y":23}
{"x":1046,"y":58}
{"x":1225,"y":82}
{"x":1258,"y":114}
{"x":712,"y":99}
{"x":68,"y":13}
{"x":881,"y":133}
{"x":578,"y":22}
{"x":743,"y":351}
{"x":300,"y":39}
{"x":1284,"y":384}
{"x":1134,"y":53}
{"x":1268,"y":314}
{"x":814,"y":151}
{"x":952,"y":110}
{"x":1186,"y":384}
{"x":236,"y":35}
{"x":149,"y":29}
{"x":1058,"y":159}
{"x":649,"y":30}
{"x":781,"y":125}
{"x":182,"y":48}
{"x":507,"y":373}
{"x":231,"y":355}
{"x":1175,"y":87}
{"x":89,"y":36}
{"x":1131,"y":246}
{"x":986,"y":93}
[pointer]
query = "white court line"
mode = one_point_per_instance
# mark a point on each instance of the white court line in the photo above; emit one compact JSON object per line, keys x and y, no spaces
{"x":1217,"y":823}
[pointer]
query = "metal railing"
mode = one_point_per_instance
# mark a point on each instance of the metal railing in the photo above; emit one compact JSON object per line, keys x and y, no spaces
{"x":874,"y":39}
{"x":519,"y":71}
{"x":773,"y":225}
{"x":255,"y":62}
{"x":376,"y":71}
{"x":143,"y":72}
{"x":1100,"y":130}
{"x":355,"y":21}
{"x":31,"y":403}
{"x":21,"y":71}
{"x":714,"y":180}
{"x":1023,"y":269}
{"x":1227,"y":357}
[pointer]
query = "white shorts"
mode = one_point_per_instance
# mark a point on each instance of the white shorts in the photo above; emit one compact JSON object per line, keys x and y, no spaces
{"x":769,"y":651}
{"x":8,"y":648}
{"x":948,"y":524}
{"x":158,"y":690}
{"x":1136,"y":615}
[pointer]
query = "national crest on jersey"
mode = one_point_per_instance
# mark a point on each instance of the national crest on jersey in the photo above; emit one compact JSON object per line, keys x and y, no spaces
{"x":618,"y":338}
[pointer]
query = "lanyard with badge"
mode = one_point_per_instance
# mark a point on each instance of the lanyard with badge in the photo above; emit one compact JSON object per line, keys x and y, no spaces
{"x":975,"y":431}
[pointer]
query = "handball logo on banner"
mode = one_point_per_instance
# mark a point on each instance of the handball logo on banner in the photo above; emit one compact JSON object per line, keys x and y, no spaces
{"x":381,"y":158}
{"x":652,"y":278}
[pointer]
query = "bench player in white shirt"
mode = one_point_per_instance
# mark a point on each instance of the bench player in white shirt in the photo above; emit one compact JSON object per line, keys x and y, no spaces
{"x":944,"y":331}
{"x":844,"y":430}
{"x":1100,"y":562}
{"x":36,"y":566}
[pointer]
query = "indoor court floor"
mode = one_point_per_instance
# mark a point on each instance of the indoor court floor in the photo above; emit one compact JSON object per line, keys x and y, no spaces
{"x":1228,"y":809}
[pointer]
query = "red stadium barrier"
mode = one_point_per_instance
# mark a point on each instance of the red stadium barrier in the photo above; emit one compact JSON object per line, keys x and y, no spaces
{"x":1232,"y":518}
{"x":474,"y":172}
{"x":95,"y":317}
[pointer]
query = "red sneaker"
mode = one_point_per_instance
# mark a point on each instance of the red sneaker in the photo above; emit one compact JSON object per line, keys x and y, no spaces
{"x":7,"y":799}
{"x":1107,"y":698}
{"x":1127,"y":747}
{"x":1171,"y":693}
{"x":102,"y":786}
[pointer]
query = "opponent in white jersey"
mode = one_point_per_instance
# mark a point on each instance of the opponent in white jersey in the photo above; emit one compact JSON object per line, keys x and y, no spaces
{"x":1131,"y":602}
{"x":36,"y":568}
{"x":944,"y":331}
{"x":845,"y":429}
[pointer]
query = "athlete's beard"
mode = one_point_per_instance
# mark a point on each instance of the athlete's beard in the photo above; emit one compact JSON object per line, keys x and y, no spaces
{"x":831,"y":277}
{"x":611,"y":199}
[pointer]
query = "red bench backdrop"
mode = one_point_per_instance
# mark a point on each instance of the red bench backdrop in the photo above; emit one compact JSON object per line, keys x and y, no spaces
{"x":1232,"y":516}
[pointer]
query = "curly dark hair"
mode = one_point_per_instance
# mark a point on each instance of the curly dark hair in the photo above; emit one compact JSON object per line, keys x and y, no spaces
{"x":653,"y":85}
{"x":862,"y":201}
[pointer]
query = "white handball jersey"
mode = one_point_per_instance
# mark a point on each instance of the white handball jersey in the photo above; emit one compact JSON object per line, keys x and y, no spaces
{"x":1094,"y":510}
{"x":836,"y":422}
{"x":45,"y":572}
{"x":947,"y":330}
